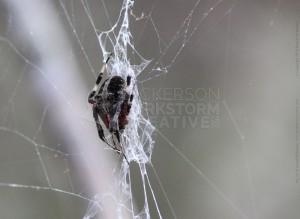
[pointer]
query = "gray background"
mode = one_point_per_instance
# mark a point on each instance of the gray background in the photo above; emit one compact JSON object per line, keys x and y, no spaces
{"x":245,"y":167}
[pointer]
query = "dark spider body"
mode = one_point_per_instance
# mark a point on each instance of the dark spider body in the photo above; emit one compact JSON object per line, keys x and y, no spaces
{"x":111,"y":103}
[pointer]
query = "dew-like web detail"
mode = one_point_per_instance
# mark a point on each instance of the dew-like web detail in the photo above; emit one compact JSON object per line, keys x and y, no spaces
{"x":137,"y":140}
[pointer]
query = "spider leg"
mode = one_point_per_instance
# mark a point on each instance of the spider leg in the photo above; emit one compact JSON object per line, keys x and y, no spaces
{"x":128,"y":80}
{"x":101,"y":132}
{"x":125,"y":157}
{"x":118,"y":146}
{"x":116,"y":141}
{"x":110,"y":55}
{"x":98,"y":125}
{"x":92,"y":95}
{"x":117,"y":134}
{"x":129,"y":97}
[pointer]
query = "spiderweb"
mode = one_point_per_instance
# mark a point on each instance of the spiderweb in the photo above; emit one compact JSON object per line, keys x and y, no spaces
{"x":120,"y":34}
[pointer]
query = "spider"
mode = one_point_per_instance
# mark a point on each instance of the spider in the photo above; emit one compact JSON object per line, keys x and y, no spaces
{"x":111,"y":103}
